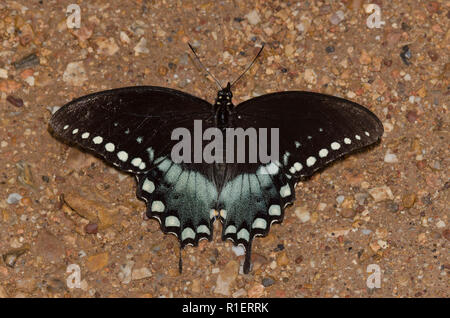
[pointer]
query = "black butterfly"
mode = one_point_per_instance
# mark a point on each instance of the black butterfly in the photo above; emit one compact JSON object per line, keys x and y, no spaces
{"x":131,"y":128}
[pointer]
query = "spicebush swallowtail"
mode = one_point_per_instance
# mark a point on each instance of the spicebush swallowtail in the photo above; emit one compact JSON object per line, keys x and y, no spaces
{"x":131,"y":128}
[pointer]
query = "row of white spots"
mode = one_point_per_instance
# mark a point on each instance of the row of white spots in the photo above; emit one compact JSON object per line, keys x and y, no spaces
{"x":110,"y":147}
{"x":311,"y":160}
{"x":258,"y":223}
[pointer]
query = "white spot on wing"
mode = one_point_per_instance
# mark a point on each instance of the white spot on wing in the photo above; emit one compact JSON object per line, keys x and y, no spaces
{"x":310,"y":161}
{"x":158,"y":206}
{"x":110,"y":147}
{"x":298,"y":166}
{"x":136,"y":161}
{"x":122,"y":155}
{"x":358,"y":137}
{"x":65,"y":127}
{"x":172,"y":221}
{"x":259,"y":223}
{"x":148,"y":186}
{"x":187,"y":233}
{"x":243,"y":234}
{"x":335,"y":145}
{"x":323,"y":153}
{"x":97,"y":140}
{"x":285,"y":191}
{"x":75,"y":131}
{"x":275,"y":209}
{"x":223,"y":214}
{"x":85,"y":135}
{"x":203,"y":229}
{"x":230,"y":229}
{"x":347,"y":141}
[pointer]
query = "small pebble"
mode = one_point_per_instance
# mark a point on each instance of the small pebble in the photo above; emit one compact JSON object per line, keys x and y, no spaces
{"x":253,"y":17}
{"x":299,"y":259}
{"x":27,"y":62}
{"x":433,"y":55}
{"x":381,"y":193}
{"x":267,"y":281}
{"x":347,"y":213}
{"x":329,"y":49}
{"x":446,"y":234}
{"x":238,"y":250}
{"x":392,"y":206}
{"x":13,"y":198}
{"x":406,"y":55}
{"x":91,"y":228}
{"x":340,"y":199}
{"x":408,"y":200}
{"x":390,"y":158}
{"x":337,"y":17}
{"x":16,"y":101}
{"x":302,"y":214}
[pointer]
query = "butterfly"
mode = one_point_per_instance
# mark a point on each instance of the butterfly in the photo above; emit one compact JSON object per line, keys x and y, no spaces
{"x":131,"y":128}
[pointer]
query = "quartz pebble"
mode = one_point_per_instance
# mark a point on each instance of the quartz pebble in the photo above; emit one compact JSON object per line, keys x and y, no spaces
{"x":13,"y":198}
{"x":390,"y":158}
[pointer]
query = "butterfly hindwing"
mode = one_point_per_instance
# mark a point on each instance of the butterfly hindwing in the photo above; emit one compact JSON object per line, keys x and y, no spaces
{"x":181,"y":197}
{"x":251,"y":201}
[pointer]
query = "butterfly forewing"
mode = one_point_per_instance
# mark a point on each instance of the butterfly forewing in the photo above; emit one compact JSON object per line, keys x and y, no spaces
{"x":315,"y":129}
{"x":129,"y":127}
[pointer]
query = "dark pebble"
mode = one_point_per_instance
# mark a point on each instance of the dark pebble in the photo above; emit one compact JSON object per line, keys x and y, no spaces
{"x":329,"y":49}
{"x":426,"y":199}
{"x":45,"y":179}
{"x":284,"y":70}
{"x":392,"y":206}
{"x":387,"y":62}
{"x":299,"y":259}
{"x":172,"y":66}
{"x":16,"y":101}
{"x":405,"y":27}
{"x":446,"y":234}
{"x":91,"y":228}
{"x":238,"y":19}
{"x":267,"y":281}
{"x":433,"y":55}
{"x":406,"y":55}
{"x":27,"y":62}
{"x":411,"y":116}
{"x":279,"y":247}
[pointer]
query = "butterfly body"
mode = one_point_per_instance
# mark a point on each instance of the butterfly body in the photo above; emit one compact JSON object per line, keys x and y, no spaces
{"x":132,"y":128}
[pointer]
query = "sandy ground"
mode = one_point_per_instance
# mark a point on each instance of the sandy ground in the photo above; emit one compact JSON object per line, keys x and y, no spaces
{"x":383,"y":210}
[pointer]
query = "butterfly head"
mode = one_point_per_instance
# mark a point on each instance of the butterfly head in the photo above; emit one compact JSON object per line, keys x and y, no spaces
{"x":224,"y":96}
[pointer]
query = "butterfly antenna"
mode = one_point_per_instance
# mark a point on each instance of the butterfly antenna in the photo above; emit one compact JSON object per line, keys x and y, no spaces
{"x":249,"y":66}
{"x":200,"y":62}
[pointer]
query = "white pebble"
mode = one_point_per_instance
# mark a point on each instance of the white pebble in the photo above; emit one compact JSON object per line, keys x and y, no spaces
{"x":238,"y":250}
{"x":13,"y":198}
{"x":303,"y":214}
{"x":390,"y":158}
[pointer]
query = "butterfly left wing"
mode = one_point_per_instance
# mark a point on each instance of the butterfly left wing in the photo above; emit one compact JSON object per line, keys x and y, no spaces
{"x":131,"y":128}
{"x":314,"y":130}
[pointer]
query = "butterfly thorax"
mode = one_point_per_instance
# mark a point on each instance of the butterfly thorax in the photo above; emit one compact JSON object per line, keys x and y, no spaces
{"x":223,"y":107}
